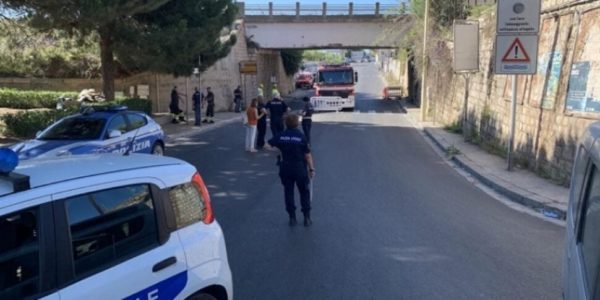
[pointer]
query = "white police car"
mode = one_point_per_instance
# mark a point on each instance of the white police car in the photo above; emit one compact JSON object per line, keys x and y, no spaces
{"x":108,"y":227}
{"x":112,"y":129}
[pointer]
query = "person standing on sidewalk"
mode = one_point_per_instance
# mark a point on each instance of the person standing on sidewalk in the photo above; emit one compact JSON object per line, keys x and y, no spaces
{"x":296,"y":168}
{"x":307,"y":113}
{"x":237,"y":98}
{"x":253,"y":117}
{"x":210,"y":106}
{"x":197,"y":98}
{"x":277,"y":109}
{"x":176,"y":113}
{"x":262,"y":123}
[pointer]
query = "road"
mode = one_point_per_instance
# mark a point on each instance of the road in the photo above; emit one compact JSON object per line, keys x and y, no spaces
{"x":391,"y":219}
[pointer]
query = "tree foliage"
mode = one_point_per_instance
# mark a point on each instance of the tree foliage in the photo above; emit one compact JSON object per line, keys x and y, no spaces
{"x":292,"y":59}
{"x":145,"y":35}
{"x":26,"y":52}
{"x":324,"y":56}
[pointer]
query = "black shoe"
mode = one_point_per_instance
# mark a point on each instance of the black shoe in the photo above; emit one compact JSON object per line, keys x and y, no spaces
{"x":293,"y":221}
{"x":307,"y":221}
{"x":174,"y":121}
{"x":205,"y":121}
{"x":211,"y":121}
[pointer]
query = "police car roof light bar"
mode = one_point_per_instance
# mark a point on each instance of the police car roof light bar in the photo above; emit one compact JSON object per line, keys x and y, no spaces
{"x":19,"y":182}
{"x":87,"y":110}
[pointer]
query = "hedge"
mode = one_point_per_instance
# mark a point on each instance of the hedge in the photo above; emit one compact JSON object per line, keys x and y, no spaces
{"x":27,"y":123}
{"x":18,"y":99}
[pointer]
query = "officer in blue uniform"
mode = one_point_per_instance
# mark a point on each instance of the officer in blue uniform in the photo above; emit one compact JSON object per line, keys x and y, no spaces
{"x":295,"y":168}
{"x":277,"y":109}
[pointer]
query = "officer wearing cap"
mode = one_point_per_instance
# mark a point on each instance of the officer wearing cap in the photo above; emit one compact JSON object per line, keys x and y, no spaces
{"x":276,"y":108}
{"x":296,"y":167}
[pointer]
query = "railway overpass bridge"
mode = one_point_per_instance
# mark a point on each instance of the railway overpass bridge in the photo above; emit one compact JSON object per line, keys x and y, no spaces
{"x":277,"y":27}
{"x":326,"y":26}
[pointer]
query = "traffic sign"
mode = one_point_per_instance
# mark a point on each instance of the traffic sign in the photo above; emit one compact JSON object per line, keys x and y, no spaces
{"x":518,"y":16}
{"x":516,"y":54}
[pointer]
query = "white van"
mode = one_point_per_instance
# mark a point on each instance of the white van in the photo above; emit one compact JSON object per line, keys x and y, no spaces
{"x":582,"y":255}
{"x":109,"y":227}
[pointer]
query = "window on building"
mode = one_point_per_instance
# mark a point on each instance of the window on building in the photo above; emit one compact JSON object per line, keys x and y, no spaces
{"x":19,"y":255}
{"x":110,"y":226}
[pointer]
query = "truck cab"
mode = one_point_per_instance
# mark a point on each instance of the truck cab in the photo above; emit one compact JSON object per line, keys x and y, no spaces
{"x":334,"y":88}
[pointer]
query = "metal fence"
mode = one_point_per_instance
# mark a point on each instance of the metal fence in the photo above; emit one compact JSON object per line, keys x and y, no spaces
{"x":325,"y":9}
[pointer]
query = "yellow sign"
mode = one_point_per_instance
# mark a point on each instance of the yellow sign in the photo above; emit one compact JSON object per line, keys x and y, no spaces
{"x":248,"y":67}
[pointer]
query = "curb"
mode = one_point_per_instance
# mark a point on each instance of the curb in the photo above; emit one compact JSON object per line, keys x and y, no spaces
{"x":543,"y":208}
{"x":204,"y":128}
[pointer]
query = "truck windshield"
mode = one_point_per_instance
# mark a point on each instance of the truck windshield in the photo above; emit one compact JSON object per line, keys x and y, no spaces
{"x":336,"y":77}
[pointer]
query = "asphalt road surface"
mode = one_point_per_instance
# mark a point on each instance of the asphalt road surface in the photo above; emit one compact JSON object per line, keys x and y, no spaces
{"x":391,"y":219}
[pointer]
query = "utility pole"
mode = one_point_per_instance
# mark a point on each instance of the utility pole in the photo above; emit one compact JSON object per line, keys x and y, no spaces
{"x":424,"y":99}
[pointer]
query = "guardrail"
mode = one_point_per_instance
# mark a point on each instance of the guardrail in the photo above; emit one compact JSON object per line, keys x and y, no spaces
{"x":325,"y":9}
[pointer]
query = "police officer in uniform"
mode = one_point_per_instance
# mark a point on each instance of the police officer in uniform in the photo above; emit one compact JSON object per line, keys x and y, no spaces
{"x":295,"y":168}
{"x":277,"y":109}
{"x":262,"y":124}
{"x":307,"y":113}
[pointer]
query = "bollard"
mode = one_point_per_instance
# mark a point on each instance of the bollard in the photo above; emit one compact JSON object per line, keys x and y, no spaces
{"x":324,"y":9}
{"x":377,"y":9}
{"x":270,"y":9}
{"x":350,"y":8}
{"x":297,"y":9}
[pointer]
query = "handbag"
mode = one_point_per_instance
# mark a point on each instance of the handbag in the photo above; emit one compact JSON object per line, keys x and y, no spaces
{"x":244,"y":118}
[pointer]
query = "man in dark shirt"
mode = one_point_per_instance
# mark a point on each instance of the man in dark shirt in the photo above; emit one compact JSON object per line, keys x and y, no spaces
{"x":210,"y":106}
{"x":296,"y":167}
{"x":237,"y":98}
{"x":262,"y":124}
{"x":277,"y":109}
{"x":176,"y":113}
{"x":197,"y":99}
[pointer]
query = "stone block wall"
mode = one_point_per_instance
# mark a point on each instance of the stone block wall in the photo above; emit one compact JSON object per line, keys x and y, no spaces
{"x":554,"y":106}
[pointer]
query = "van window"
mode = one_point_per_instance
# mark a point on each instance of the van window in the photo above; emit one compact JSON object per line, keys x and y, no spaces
{"x":578,"y":182}
{"x":110,"y":226}
{"x":590,"y":232}
{"x":19,"y":255}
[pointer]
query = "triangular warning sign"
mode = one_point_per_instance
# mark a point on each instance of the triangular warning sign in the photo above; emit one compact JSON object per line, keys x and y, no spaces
{"x":516,"y":53}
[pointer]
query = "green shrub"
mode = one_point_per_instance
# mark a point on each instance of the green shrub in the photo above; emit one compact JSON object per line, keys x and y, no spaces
{"x":26,"y":124}
{"x":137,"y":104}
{"x":11,"y":98}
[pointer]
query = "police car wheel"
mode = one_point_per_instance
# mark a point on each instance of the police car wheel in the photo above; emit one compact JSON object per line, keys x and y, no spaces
{"x":158,"y":149}
{"x":203,"y":296}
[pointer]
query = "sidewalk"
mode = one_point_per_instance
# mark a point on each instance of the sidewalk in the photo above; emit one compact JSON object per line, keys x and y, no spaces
{"x":520,"y":186}
{"x":174,"y":131}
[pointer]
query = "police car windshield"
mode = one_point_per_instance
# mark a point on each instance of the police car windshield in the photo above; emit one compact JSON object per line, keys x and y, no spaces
{"x":75,"y":129}
{"x":336,"y":77}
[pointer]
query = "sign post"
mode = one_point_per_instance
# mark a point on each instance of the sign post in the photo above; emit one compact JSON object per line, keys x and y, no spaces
{"x":466,"y":59}
{"x":518,"y":25}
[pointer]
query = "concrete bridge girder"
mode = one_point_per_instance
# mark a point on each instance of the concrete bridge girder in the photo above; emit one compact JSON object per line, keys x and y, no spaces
{"x":330,"y":32}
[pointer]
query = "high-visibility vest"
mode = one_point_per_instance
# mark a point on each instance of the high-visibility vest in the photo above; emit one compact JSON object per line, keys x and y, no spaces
{"x":260,"y":92}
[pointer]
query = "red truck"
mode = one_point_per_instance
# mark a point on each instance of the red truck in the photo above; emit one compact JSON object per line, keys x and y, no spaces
{"x":334,"y":88}
{"x":304,"y":80}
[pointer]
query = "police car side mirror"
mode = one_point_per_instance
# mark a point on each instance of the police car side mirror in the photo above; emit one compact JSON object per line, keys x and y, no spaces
{"x":114,"y":134}
{"x":355,"y":76}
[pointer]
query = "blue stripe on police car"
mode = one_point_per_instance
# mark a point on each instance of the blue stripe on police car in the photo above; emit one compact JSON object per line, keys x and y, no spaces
{"x":166,"y":289}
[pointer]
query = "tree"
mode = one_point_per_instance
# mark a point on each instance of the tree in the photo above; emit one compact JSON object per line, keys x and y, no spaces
{"x":292,"y":59}
{"x":155,"y":35}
